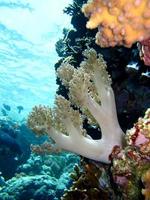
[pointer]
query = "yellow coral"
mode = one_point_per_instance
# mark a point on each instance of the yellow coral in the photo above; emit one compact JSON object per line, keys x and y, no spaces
{"x":120,"y":22}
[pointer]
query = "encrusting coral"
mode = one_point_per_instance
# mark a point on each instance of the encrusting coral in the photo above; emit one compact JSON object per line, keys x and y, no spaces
{"x":131,"y":164}
{"x":119,"y":22}
{"x":144,"y":49}
{"x":90,"y":91}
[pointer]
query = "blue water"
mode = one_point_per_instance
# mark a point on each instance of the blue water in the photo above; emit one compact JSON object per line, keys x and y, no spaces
{"x":29,"y":30}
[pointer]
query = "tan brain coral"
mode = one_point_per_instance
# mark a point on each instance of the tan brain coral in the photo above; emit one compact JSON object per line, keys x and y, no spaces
{"x":120,"y":22}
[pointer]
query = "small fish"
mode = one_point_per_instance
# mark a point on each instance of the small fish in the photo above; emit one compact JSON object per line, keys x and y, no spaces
{"x":4,"y":112}
{"x":16,"y":158}
{"x":6,"y":107}
{"x":20,"y":108}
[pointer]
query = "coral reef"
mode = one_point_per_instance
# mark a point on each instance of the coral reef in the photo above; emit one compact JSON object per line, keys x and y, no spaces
{"x":90,"y":112}
{"x":32,"y":187}
{"x":89,"y":90}
{"x":53,"y":165}
{"x":14,"y":148}
{"x":120,"y":22}
{"x":41,"y":177}
{"x":130,"y":82}
{"x":130,"y":77}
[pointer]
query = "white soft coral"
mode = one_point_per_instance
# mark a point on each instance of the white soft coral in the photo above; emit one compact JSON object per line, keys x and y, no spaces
{"x":90,"y":90}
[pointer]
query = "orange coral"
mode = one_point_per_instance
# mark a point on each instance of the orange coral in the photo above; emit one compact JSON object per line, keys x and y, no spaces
{"x":120,"y":22}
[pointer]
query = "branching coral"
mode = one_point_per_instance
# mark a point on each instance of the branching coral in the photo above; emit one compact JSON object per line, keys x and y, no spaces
{"x":91,"y":183}
{"x":90,"y":91}
{"x":120,"y":22}
{"x":73,"y":9}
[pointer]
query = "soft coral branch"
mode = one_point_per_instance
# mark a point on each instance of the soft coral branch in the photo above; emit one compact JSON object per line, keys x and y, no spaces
{"x":90,"y":90}
{"x":102,"y":107}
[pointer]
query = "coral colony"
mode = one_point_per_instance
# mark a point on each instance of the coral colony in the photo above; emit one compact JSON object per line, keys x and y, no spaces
{"x":120,"y":22}
{"x":91,"y":97}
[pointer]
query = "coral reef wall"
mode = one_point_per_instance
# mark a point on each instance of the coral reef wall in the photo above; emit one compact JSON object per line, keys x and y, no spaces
{"x":130,"y":77}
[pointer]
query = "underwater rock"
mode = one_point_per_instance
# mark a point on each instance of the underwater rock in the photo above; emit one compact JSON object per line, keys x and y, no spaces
{"x":14,"y":147}
{"x":10,"y":142}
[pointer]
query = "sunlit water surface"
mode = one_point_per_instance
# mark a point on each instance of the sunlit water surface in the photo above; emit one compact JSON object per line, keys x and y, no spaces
{"x":29,"y":30}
